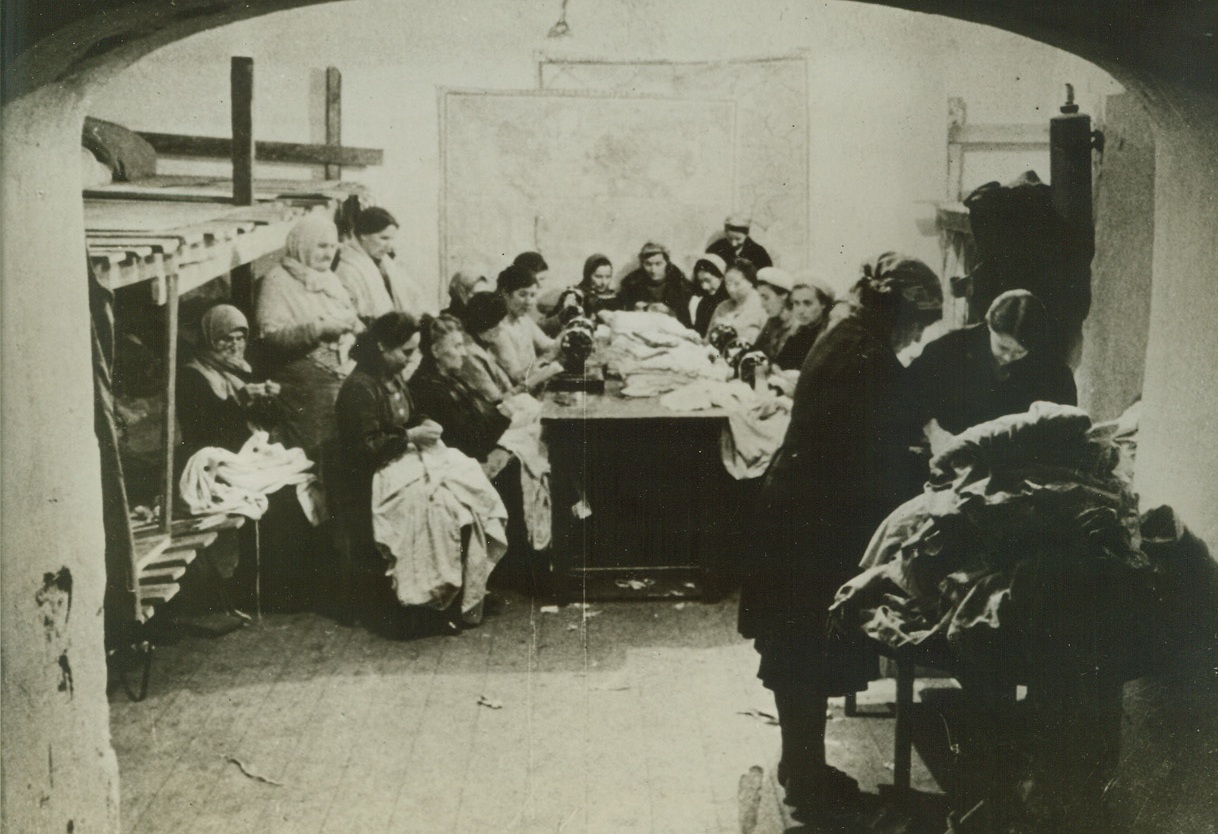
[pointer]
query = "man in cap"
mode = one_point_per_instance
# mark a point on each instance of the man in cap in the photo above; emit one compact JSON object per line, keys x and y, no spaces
{"x":736,"y":243}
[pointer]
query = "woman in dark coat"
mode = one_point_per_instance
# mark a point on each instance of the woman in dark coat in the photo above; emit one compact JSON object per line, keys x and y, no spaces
{"x":377,"y":422}
{"x":845,"y":463}
{"x":709,"y":290}
{"x":473,"y":424}
{"x":988,"y":370}
{"x":657,"y":284}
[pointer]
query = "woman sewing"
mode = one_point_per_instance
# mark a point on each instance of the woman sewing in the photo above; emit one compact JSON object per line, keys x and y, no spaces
{"x":709,"y":291}
{"x":308,"y":325}
{"x":991,"y":369}
{"x":519,"y":344}
{"x":742,"y":309}
{"x":784,"y":339}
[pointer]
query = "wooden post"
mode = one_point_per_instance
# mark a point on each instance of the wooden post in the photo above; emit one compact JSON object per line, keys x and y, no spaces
{"x":169,"y":437}
{"x":242,"y":82}
{"x":334,"y":118}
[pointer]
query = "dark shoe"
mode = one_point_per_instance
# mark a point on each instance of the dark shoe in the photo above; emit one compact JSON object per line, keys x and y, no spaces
{"x":828,"y":796}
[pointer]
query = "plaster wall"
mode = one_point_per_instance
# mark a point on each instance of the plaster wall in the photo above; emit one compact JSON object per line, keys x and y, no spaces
{"x":879,"y":81}
{"x":60,"y":774}
{"x":1178,"y":448}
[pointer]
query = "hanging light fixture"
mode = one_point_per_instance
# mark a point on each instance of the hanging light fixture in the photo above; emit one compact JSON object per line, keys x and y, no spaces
{"x":560,"y":29}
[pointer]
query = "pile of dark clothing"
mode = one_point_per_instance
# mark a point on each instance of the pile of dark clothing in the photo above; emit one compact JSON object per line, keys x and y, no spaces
{"x":1020,"y":559}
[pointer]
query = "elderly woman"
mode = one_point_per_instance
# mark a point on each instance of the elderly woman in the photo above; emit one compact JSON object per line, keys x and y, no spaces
{"x":519,"y":343}
{"x":307,"y":323}
{"x":482,"y":321}
{"x":472,"y":422}
{"x":783,"y":339}
{"x":219,"y":404}
{"x":742,"y":309}
{"x":709,"y":291}
{"x":366,"y":267}
{"x":657,"y":284}
{"x":843,"y":465}
{"x":217,"y":397}
{"x":990,"y":369}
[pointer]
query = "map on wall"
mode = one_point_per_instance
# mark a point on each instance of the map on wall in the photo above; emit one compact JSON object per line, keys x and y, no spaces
{"x":772,"y":131}
{"x":571,"y":174}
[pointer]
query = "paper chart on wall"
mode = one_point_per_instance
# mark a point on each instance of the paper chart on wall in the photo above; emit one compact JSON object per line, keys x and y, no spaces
{"x":569,"y":174}
{"x":772,"y":153}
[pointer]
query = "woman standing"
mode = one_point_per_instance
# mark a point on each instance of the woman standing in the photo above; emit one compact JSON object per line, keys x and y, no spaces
{"x":368,"y":270}
{"x":742,"y":310}
{"x":984,"y":371}
{"x":308,"y":324}
{"x":843,"y":465}
{"x":519,"y":342}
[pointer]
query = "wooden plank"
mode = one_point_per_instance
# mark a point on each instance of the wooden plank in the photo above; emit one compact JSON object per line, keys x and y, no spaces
{"x":293,"y":153}
{"x":162,"y":575}
{"x":999,"y":136}
{"x":169,"y":438}
{"x":334,"y":118}
{"x":242,"y":148}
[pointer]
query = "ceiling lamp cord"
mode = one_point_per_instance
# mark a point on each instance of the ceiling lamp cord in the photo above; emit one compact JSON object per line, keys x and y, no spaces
{"x":560,"y":29}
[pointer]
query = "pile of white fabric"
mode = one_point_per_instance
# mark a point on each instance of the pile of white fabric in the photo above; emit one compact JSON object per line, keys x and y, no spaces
{"x":654,"y":353}
{"x":217,"y":481}
{"x":421,"y":504}
{"x":756,"y":423}
{"x":523,"y":439}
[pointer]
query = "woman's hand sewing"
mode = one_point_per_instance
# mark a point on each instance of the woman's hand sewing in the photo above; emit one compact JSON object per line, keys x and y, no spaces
{"x":425,"y":434}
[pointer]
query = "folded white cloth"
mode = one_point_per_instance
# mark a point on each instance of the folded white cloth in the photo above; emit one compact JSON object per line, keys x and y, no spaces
{"x":523,"y":439}
{"x":216,"y":480}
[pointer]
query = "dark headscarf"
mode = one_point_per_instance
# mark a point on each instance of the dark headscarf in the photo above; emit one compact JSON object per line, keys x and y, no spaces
{"x":532,"y":261}
{"x":226,"y":376}
{"x":484,"y":311}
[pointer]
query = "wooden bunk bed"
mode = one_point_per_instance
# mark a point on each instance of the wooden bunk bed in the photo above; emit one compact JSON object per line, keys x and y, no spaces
{"x":177,"y":234}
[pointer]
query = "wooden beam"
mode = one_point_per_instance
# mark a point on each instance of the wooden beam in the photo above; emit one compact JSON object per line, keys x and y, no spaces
{"x":998,"y":136}
{"x":169,"y":436}
{"x":242,"y":145}
{"x":334,"y":118}
{"x":299,"y":153}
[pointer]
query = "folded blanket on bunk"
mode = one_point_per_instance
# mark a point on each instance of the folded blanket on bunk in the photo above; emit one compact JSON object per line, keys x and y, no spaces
{"x":421,"y":502}
{"x":216,"y":480}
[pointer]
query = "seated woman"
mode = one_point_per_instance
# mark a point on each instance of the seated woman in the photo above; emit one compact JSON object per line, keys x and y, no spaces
{"x":367,"y":268}
{"x":308,"y":324}
{"x":709,"y":291}
{"x":742,"y":309}
{"x":783,"y":340}
{"x":657,"y":284}
{"x":595,"y":293}
{"x":519,"y":343}
{"x":811,"y":300}
{"x":483,"y":318}
{"x":376,"y":424}
{"x":219,"y":404}
{"x":472,"y":423}
{"x":988,"y":370}
{"x":465,"y":284}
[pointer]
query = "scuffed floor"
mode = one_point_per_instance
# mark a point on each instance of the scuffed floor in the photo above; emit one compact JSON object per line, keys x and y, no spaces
{"x":627,"y":717}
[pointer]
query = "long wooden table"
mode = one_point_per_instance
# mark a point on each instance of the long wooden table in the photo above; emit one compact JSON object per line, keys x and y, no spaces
{"x":654,"y":481}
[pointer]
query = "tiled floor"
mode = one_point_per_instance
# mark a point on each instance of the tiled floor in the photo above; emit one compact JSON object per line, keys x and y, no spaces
{"x":626,"y":717}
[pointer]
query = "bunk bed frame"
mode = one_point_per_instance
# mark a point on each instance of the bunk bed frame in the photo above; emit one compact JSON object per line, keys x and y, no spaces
{"x":176,"y":234}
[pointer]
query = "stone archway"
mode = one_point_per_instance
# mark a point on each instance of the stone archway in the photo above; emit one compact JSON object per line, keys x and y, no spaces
{"x":59,"y":771}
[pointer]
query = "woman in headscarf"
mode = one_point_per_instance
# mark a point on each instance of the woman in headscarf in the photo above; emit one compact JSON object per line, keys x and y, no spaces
{"x":367,"y":268}
{"x":519,"y":343}
{"x":844,"y":464}
{"x":784,"y":340}
{"x":742,"y":310}
{"x":709,"y":291}
{"x":308,"y":325}
{"x":657,"y":284}
{"x":219,"y":404}
{"x":593,"y":294}
{"x":218,"y":401}
{"x":990,"y":369}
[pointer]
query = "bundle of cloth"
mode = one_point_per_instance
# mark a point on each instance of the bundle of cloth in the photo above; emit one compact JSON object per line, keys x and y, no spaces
{"x":756,"y":423}
{"x":442,"y":524}
{"x":654,"y":353}
{"x":217,"y":481}
{"x":1021,"y":561}
{"x":523,"y":439}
